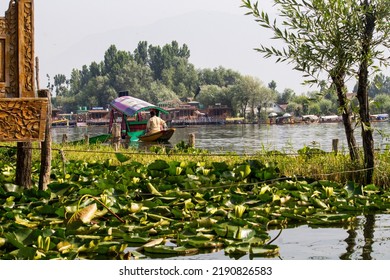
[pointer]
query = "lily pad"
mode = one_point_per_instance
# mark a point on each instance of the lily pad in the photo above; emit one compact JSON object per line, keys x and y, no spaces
{"x":264,"y":251}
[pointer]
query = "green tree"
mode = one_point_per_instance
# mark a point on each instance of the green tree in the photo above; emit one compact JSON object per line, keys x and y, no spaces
{"x":294,"y":108}
{"x":209,"y":95}
{"x":304,"y":103}
{"x":314,"y":108}
{"x":272,"y":85}
{"x":327,"y":107}
{"x":141,"y":53}
{"x":381,"y":104}
{"x":286,"y":96}
{"x":379,"y":85}
{"x":114,"y":62}
{"x":60,"y":85}
{"x":322,"y":38}
{"x":160,"y":93}
{"x":248,"y":96}
{"x":219,"y":76}
{"x":170,"y":65}
{"x":134,"y":78}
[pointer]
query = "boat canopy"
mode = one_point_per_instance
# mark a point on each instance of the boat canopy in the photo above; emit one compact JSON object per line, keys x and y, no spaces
{"x":129,"y":105}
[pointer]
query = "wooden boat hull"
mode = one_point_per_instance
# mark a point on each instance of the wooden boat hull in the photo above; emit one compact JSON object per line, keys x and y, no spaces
{"x":161,"y":136}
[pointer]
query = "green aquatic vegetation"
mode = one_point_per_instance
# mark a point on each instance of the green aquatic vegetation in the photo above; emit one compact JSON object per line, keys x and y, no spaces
{"x":121,"y":208}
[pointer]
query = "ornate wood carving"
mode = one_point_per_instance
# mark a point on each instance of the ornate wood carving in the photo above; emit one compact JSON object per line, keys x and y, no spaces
{"x":22,"y":119}
{"x":22,"y":115}
{"x":26,"y":49}
{"x":12,"y":80}
{"x":2,"y":56}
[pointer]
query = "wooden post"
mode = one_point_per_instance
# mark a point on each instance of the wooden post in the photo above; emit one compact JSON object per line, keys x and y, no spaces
{"x":191,"y":140}
{"x":86,"y":139}
{"x":44,"y":175}
{"x":37,"y":75}
{"x":126,"y":142}
{"x":24,"y":164}
{"x":23,"y":88}
{"x":335,"y":143}
{"x":116,"y":136}
{"x":64,"y":138}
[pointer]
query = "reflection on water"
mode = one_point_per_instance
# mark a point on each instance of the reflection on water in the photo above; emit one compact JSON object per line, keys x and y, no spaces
{"x":368,"y":238}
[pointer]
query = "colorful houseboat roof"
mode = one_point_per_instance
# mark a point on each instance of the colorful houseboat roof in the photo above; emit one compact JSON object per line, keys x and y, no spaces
{"x":129,"y":105}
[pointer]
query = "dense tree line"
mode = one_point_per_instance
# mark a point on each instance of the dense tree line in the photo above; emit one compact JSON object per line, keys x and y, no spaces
{"x":158,"y":74}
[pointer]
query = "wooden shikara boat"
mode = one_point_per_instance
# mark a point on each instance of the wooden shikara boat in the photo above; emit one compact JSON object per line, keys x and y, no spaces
{"x":133,"y":115}
{"x":160,"y":136}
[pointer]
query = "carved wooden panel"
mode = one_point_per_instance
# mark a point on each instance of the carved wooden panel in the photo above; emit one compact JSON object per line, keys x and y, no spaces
{"x":2,"y":57}
{"x":22,"y":114}
{"x":26,"y":49}
{"x":23,"y":119}
{"x":12,"y":58}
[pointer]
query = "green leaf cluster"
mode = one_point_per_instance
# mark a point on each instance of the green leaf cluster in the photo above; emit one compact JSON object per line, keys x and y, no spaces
{"x":170,"y":208}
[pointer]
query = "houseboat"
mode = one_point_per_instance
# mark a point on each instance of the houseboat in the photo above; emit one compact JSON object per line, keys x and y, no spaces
{"x":379,"y":118}
{"x":98,"y":116}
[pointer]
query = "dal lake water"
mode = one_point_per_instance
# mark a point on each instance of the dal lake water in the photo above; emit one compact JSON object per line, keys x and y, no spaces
{"x":368,"y":238}
{"x":250,"y":138}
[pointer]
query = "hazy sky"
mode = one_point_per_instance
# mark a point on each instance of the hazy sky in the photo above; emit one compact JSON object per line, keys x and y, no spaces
{"x":66,"y":33}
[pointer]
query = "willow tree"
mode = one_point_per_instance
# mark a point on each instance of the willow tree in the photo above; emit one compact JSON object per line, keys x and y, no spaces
{"x":336,"y":40}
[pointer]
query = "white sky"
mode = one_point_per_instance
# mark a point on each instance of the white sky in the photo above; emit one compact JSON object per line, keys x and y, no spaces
{"x":62,"y":24}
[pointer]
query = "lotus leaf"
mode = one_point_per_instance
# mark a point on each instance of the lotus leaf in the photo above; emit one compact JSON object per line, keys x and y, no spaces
{"x":203,"y":244}
{"x":199,"y":205}
{"x":237,"y":251}
{"x":26,"y":222}
{"x":136,"y":239}
{"x":220,"y":167}
{"x":12,"y":188}
{"x":121,"y":157}
{"x":162,"y":249}
{"x":83,"y":216}
{"x":158,"y":165}
{"x":242,"y":171}
{"x":266,"y":250}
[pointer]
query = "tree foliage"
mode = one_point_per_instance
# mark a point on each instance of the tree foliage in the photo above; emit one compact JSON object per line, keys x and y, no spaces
{"x":95,"y":85}
{"x":338,"y":39}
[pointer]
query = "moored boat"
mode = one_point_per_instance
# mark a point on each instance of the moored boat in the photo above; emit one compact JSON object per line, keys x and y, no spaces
{"x":330,"y":119}
{"x":379,"y":118}
{"x":160,"y":136}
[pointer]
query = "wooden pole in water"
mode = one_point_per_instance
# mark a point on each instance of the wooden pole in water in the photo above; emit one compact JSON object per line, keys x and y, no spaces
{"x":335,"y":144}
{"x":86,"y":139}
{"x":44,"y":174}
{"x":116,"y":136}
{"x":191,"y":140}
{"x":64,"y":138}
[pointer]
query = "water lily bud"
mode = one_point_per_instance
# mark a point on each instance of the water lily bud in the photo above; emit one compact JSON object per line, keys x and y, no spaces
{"x":178,"y":170}
{"x":206,"y":172}
{"x":329,"y":191}
{"x":47,"y":244}
{"x":40,"y":242}
{"x":135,"y":207}
{"x":239,"y":210}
